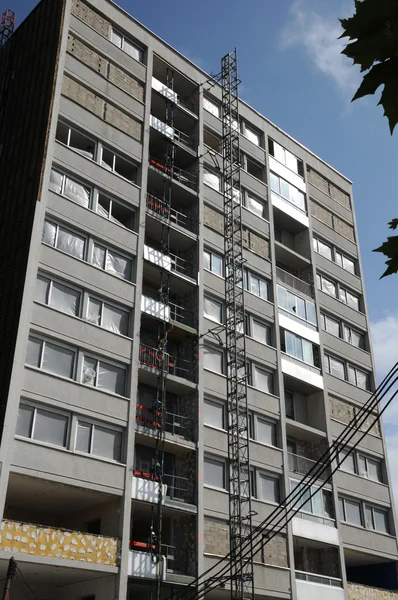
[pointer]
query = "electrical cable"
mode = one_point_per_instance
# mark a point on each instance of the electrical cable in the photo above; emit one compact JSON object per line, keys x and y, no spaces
{"x":27,"y":590}
{"x":318,"y":468}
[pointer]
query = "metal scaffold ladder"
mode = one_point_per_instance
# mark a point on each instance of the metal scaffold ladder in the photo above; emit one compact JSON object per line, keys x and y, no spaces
{"x":240,"y":513}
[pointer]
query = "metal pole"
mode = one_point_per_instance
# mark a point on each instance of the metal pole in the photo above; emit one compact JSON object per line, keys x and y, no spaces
{"x":12,"y":567}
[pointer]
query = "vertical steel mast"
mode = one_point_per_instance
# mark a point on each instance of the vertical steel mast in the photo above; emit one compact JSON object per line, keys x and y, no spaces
{"x":240,"y":515}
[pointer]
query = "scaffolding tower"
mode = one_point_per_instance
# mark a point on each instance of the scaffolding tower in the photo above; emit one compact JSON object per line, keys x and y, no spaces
{"x":240,"y":513}
{"x":159,"y":407}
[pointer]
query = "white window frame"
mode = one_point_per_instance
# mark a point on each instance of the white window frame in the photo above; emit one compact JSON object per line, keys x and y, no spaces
{"x":339,"y":258}
{"x":125,"y":39}
{"x":342,"y":291}
{"x":317,"y":245}
{"x":285,"y":161}
{"x":246,"y":197}
{"x":207,"y":170}
{"x":116,"y":252}
{"x":93,"y":423}
{"x":320,"y":279}
{"x":105,"y":360}
{"x":295,"y":314}
{"x":344,"y":499}
{"x":251,"y":372}
{"x":216,"y":301}
{"x":128,"y":160}
{"x":357,"y":370}
{"x":302,"y":206}
{"x":45,"y":340}
{"x":324,"y":319}
{"x":350,"y":330}
{"x":249,"y":328}
{"x":247,"y":276}
{"x":372,"y":508}
{"x":50,"y":409}
{"x":215,"y":459}
{"x":211,"y":254}
{"x":53,"y":280}
{"x":216,"y":351}
{"x":111,"y":304}
{"x":367,"y":458}
{"x":252,"y":132}
{"x":328,"y":358}
{"x":343,"y":461}
{"x":76,"y":180}
{"x":253,"y":429}
{"x":80,"y":132}
{"x":266,"y":474}
{"x":216,"y":112}
{"x":219,"y":404}
{"x":70,"y":231}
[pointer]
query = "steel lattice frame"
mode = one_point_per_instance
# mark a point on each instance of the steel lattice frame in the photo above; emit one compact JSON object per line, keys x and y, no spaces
{"x":240,"y":515}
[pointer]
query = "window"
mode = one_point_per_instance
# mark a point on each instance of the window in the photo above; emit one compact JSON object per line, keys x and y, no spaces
{"x":127,"y":45}
{"x":320,"y":504}
{"x":70,"y":188}
{"x":112,"y":262}
{"x":255,"y":206}
{"x":214,"y":473}
{"x":258,"y":330}
{"x":350,"y":511}
{"x":370,"y":468}
{"x":213,"y":309}
{"x":353,"y":337}
{"x":214,"y":413}
{"x":325,"y":285}
{"x":108,"y":316}
{"x":335,"y":367}
{"x":38,"y":423}
{"x":75,"y":140}
{"x":349,"y":298}
{"x":263,"y":431}
{"x":255,"y":284}
{"x":251,"y":135}
{"x":268,"y":488}
{"x":347,"y":461}
{"x":211,"y":107}
{"x":297,"y":306}
{"x":261,"y":378}
{"x":286,"y":157}
{"x":343,"y":261}
{"x":213,"y":262}
{"x":116,"y":212}
{"x":58,"y":295}
{"x":212,"y":140}
{"x":358,"y":377}
{"x":330,"y":325}
{"x":51,"y":357}
{"x":289,"y":405}
{"x":103,"y":375}
{"x":298,"y":347}
{"x":98,"y":440}
{"x":376,"y":518}
{"x":212,"y":179}
{"x":119,"y":165}
{"x":64,"y":239}
{"x":288,"y":191}
{"x":213,"y":359}
{"x":322,"y":248}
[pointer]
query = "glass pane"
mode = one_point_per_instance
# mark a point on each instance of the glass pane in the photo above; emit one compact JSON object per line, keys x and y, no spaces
{"x":369,"y":518}
{"x":265,"y":432}
{"x":212,"y":360}
{"x":349,"y":265}
{"x":111,"y":378}
{"x":212,"y":180}
{"x":83,"y":437}
{"x":24,"y":423}
{"x":352,"y":301}
{"x":118,"y":265}
{"x":336,"y":368}
{"x":216,"y":264}
{"x":349,"y":462}
{"x":89,"y":374}
{"x":332,"y":326}
{"x":213,"y":414}
{"x":107,"y":443}
{"x":282,"y":297}
{"x":255,"y":206}
{"x":132,"y":50}
{"x":262,"y":380}
{"x":55,"y":181}
{"x":71,"y":243}
{"x":269,"y":488}
{"x":380,"y":520}
{"x":212,"y":309}
{"x":352,"y":375}
{"x":107,"y":159}
{"x":259,"y":331}
{"x":206,"y":260}
{"x":98,"y":258}
{"x":116,"y":39}
{"x":324,"y":250}
{"x":353,"y":512}
{"x":77,"y":192}
{"x":214,"y":473}
{"x":263,"y":289}
{"x":62,"y":133}
{"x":317,"y":502}
{"x":289,"y":405}
{"x":308,"y":356}
{"x":301,"y":200}
{"x":374,"y":470}
{"x":291,"y":161}
{"x":211,"y":107}
{"x":274,"y":182}
{"x":290,"y":341}
{"x":362,"y":380}
{"x":328,"y":287}
{"x":285,"y":189}
{"x":65,"y":298}
{"x":94,"y":311}
{"x":33,"y":352}
{"x":50,"y":427}
{"x":58,"y":360}
{"x":252,"y":136}
{"x":49,"y":233}
{"x":42,"y":287}
{"x":82,"y":144}
{"x":115,"y":319}
{"x":279,"y":153}
{"x":300,"y":308}
{"x":341,"y":509}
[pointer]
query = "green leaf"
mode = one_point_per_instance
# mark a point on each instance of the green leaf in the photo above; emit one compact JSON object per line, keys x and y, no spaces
{"x":390,"y":249}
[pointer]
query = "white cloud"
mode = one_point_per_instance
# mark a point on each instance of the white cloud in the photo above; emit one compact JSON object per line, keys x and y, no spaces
{"x":385,"y":342}
{"x":317,"y":33}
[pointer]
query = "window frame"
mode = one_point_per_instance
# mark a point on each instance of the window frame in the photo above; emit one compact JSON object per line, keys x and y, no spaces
{"x":372,"y":508}
{"x":213,"y":103}
{"x":210,"y":458}
{"x":353,"y":368}
{"x":251,"y":376}
{"x":51,"y":409}
{"x":339,"y":291}
{"x":216,"y":301}
{"x":280,"y":193}
{"x":271,"y":142}
{"x":53,"y":280}
{"x":106,"y":360}
{"x":245,"y":127}
{"x":367,"y":458}
{"x":214,"y":253}
{"x":100,"y":244}
{"x":124,"y":38}
{"x":75,"y":180}
{"x":253,"y":430}
{"x":248,"y":275}
{"x":260,"y":473}
{"x":80,"y":132}
{"x":110,"y":217}
{"x":207,"y":400}
{"x":328,"y":358}
{"x":210,"y":171}
{"x":217,"y":351}
{"x":343,"y":500}
{"x":68,"y":230}
{"x":44,"y":340}
{"x":336,"y":256}
{"x":115,"y":154}
{"x":111,"y":304}
{"x":250,"y":318}
{"x":94,"y":423}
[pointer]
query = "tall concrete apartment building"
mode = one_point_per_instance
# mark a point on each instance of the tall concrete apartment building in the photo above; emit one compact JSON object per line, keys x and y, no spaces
{"x":106,"y":248}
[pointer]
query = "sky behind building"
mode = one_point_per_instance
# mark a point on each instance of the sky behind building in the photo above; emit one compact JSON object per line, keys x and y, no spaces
{"x":293,"y":73}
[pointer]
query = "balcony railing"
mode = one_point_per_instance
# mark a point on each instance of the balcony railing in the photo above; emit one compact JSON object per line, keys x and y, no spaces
{"x":301,"y":363}
{"x":170,"y":94}
{"x":170,"y":261}
{"x":169,"y":312}
{"x":176,"y":173}
{"x":294,"y":282}
{"x":174,"y":487}
{"x":146,"y":566}
{"x":173,"y":423}
{"x":171,"y":132}
{"x":302,"y":465}
{"x":315,"y":518}
{"x":38,"y":540}
{"x":165,"y":213}
{"x":322,"y":579}
{"x":153,"y":357}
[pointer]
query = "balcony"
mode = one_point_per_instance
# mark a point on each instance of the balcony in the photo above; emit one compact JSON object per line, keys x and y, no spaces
{"x":187,"y":178}
{"x":310,"y":586}
{"x":171,"y":313}
{"x":173,"y":134}
{"x":171,"y":262}
{"x":143,"y":564}
{"x":176,"y":425}
{"x":169,"y":94}
{"x":35,"y":540}
{"x":301,"y":465}
{"x":295,"y":283}
{"x":175,"y":85}
{"x":154,"y":358}
{"x":176,"y":488}
{"x":160,"y":210}
{"x":304,"y":372}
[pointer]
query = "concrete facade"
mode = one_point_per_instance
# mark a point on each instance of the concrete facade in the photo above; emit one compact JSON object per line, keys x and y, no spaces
{"x":81,"y":296}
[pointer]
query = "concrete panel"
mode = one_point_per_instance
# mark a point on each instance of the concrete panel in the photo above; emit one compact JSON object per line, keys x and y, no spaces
{"x":212,"y":122}
{"x":307,"y":590}
{"x":90,"y":171}
{"x":289,"y":209}
{"x":362,"y":487}
{"x":213,"y":283}
{"x":259,"y":307}
{"x":213,"y":239}
{"x":258,"y":265}
{"x":215,"y":383}
{"x":215,"y":440}
{"x":344,"y":277}
{"x":339,"y":240}
{"x":345,"y":350}
{"x":346,"y":389}
{"x":255,"y":223}
{"x":261,"y":352}
{"x":265,"y":456}
{"x":85,"y":275}
{"x":300,"y":372}
{"x":312,"y":530}
{"x":36,"y":460}
{"x":370,"y":442}
{"x":338,"y":308}
{"x":358,"y":538}
{"x":213,"y":198}
{"x":78,"y":332}
{"x":259,"y":188}
{"x":73,"y":396}
{"x":252,"y":150}
{"x":215,"y":502}
{"x":265,"y":402}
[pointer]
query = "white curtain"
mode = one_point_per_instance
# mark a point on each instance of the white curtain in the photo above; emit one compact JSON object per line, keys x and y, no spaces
{"x":77,"y":192}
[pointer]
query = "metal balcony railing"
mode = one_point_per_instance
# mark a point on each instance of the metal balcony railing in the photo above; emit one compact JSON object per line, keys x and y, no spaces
{"x":307,"y":516}
{"x":174,"y":423}
{"x":302,"y":465}
{"x":294,"y":282}
{"x":171,"y":312}
{"x":322,"y":579}
{"x":176,"y":173}
{"x":153,"y":357}
{"x":301,"y":363}
{"x":164,"y":212}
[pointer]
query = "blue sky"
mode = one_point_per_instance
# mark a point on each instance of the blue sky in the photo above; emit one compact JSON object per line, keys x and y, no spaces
{"x":292,"y":72}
